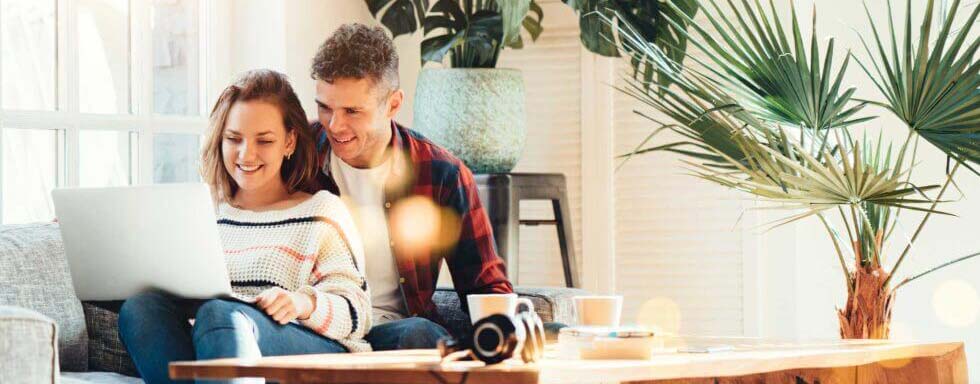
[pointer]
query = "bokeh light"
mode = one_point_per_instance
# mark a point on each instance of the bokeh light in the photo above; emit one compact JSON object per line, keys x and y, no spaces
{"x":418,"y":225}
{"x":660,"y":314}
{"x":956,"y":303}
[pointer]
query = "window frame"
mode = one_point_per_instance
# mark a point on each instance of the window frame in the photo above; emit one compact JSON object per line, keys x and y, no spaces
{"x":141,"y":119}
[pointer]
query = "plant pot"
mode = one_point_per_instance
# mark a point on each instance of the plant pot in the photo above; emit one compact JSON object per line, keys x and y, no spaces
{"x":475,"y":113}
{"x":868,"y":311}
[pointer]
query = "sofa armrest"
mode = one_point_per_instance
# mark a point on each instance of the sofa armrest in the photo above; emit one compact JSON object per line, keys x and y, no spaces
{"x":28,"y":346}
{"x":553,"y":304}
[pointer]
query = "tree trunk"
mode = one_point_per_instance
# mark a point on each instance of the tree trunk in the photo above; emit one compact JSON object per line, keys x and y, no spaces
{"x":868,"y":312}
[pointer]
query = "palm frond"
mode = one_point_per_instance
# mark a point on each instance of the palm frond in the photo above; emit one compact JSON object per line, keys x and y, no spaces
{"x":934,"y":86}
{"x":769,"y":69}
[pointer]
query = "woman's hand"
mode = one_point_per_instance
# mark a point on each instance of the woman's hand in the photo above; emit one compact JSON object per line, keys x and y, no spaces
{"x":285,"y":306}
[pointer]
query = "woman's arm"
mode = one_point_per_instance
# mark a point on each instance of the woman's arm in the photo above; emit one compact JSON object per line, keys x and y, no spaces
{"x":342,"y":303}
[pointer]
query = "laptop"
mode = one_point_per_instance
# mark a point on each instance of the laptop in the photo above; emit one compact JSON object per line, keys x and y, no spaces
{"x":121,"y":241}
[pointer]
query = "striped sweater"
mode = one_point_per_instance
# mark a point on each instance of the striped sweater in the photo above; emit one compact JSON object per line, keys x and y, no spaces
{"x":312,"y":247}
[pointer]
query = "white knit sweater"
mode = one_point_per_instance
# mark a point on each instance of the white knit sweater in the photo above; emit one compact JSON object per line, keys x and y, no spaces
{"x":312,"y":247}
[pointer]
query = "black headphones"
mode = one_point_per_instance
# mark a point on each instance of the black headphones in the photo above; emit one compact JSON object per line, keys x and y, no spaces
{"x":496,"y":338}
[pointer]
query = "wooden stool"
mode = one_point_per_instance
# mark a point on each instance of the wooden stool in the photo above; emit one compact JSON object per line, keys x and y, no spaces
{"x":501,"y":194}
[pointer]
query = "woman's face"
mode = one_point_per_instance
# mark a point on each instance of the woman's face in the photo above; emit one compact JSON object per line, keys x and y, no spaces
{"x":254,"y":145}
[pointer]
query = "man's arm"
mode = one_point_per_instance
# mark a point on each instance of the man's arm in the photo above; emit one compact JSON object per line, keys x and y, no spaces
{"x":473,"y":262}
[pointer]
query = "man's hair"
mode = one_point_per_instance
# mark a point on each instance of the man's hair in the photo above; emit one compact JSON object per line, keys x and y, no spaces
{"x":358,"y":51}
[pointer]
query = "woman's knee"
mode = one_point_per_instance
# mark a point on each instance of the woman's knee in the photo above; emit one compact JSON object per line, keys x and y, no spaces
{"x":217,"y":313}
{"x":144,"y":305}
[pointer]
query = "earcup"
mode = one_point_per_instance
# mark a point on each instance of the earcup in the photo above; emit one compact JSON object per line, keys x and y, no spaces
{"x":532,"y":348}
{"x":495,"y":338}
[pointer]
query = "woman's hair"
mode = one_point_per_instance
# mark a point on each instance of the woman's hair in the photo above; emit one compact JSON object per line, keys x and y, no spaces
{"x":299,"y":171}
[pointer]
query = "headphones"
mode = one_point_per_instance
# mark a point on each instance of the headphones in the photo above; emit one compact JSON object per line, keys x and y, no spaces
{"x":497,"y":337}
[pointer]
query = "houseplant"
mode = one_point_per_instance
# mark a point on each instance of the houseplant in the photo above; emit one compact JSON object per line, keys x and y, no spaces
{"x":472,"y":108}
{"x":763,"y":111}
{"x":649,"y":18}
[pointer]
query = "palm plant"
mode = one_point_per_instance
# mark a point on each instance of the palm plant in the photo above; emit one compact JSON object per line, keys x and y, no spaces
{"x":471,"y":32}
{"x":759,"y":113}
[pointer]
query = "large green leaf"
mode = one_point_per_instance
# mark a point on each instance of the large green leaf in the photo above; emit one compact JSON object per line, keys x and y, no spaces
{"x":532,"y":24}
{"x":597,"y":20}
{"x":484,"y":36}
{"x":401,"y":17}
{"x":512,"y":14}
{"x":769,"y":68}
{"x":933,"y":86}
{"x":471,"y":33}
{"x":435,"y":48}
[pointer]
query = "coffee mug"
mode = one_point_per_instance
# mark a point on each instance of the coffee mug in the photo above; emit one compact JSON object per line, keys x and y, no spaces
{"x":601,"y":311}
{"x":483,"y":305}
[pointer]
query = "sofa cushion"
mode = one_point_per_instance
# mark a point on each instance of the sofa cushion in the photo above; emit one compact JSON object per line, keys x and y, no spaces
{"x":34,"y":275}
{"x":28,"y":352}
{"x":106,"y":352}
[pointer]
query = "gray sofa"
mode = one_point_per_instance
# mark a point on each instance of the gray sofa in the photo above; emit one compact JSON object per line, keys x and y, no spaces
{"x":48,"y":336}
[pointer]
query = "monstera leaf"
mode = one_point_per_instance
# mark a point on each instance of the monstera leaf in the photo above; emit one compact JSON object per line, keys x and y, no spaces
{"x":471,"y":33}
{"x":401,"y":17}
{"x":648,"y":18}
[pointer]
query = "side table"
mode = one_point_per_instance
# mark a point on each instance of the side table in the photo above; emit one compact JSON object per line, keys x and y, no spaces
{"x":501,"y":194}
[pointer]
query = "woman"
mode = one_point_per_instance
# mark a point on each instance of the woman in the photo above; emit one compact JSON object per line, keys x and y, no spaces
{"x":293,"y":254}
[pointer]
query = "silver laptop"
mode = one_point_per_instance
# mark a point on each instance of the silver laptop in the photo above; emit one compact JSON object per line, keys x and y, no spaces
{"x":125,"y":240}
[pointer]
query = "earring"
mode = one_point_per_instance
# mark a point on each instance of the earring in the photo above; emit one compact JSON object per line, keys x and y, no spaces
{"x":288,"y":155}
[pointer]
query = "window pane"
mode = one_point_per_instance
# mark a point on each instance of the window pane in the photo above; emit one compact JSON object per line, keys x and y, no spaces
{"x":105,"y":158}
{"x":28,"y":61}
{"x":103,"y":56}
{"x":175,"y":57}
{"x":176,"y":158}
{"x":30,"y":172}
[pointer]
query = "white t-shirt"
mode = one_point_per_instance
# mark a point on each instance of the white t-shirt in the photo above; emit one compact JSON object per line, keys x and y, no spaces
{"x":363,"y":192}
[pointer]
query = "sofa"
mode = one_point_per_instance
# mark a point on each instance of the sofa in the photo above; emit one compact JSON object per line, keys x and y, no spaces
{"x":48,"y":336}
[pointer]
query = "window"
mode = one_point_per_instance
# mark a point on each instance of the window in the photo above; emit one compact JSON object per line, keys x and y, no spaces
{"x":30,"y":170}
{"x":97,"y":93}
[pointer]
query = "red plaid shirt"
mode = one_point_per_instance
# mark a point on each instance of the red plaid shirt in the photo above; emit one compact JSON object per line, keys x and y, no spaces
{"x":422,"y":168}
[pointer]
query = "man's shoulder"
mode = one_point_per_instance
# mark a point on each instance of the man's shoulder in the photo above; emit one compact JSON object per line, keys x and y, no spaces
{"x":426,"y":153}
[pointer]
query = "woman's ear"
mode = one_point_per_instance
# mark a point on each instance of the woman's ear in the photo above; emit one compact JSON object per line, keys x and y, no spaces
{"x":291,"y":142}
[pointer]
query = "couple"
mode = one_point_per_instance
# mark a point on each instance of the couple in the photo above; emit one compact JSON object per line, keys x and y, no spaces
{"x":306,"y":280}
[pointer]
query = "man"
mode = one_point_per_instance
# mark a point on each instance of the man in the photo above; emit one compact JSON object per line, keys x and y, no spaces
{"x":375,"y":165}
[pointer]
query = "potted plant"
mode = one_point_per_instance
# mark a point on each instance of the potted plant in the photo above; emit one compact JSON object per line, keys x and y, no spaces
{"x":472,"y":108}
{"x":763,"y":111}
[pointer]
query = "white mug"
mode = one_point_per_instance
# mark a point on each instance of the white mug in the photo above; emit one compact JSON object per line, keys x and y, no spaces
{"x":483,"y":305}
{"x":598,"y":310}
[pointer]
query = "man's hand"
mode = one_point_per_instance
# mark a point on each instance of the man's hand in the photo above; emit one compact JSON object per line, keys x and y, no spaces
{"x":284,"y":306}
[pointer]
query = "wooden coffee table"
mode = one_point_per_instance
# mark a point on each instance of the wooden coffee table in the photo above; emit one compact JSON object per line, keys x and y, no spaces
{"x":751,"y":361}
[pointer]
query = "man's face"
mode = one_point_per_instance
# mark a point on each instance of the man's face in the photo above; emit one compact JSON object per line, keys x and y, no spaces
{"x":357,"y":116}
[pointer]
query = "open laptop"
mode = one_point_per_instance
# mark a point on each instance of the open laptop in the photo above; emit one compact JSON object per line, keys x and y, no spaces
{"x":125,"y":240}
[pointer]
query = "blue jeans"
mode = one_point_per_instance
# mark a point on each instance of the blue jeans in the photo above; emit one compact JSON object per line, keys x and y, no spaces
{"x":155,"y":329}
{"x":410,"y":333}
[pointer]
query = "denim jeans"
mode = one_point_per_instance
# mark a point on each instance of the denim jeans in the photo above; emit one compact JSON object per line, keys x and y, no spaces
{"x":155,"y":329}
{"x":410,"y":333}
